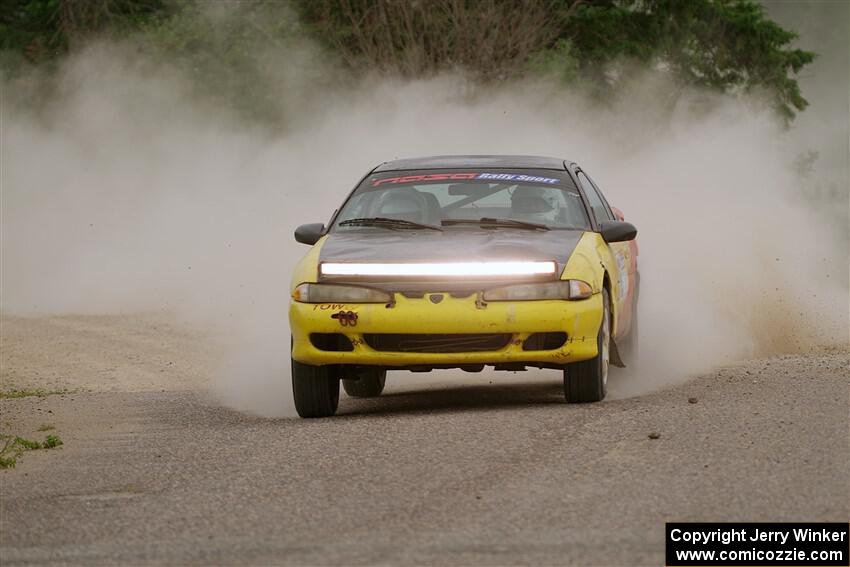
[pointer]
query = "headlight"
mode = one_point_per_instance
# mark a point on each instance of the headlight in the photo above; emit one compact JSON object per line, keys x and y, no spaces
{"x":569,"y":289}
{"x":326,"y":293}
{"x":439,"y":269}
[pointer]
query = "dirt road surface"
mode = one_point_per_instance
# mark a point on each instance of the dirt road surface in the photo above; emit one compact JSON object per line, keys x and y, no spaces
{"x":154,"y":470}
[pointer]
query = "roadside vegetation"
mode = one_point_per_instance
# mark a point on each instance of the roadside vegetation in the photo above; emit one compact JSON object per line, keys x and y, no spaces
{"x":726,"y":46}
{"x":12,"y":447}
{"x":29,"y":392}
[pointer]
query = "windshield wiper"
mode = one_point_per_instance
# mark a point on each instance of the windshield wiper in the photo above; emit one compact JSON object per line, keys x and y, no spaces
{"x":389,"y":223}
{"x":490,"y":222}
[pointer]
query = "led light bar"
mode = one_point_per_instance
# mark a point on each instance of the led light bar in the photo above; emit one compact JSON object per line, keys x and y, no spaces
{"x":442,"y":269}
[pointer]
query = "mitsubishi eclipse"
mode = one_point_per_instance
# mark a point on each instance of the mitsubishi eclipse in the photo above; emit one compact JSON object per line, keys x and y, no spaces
{"x":463,"y":262}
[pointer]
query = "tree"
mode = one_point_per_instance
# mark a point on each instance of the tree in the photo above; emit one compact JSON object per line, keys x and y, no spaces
{"x":490,"y":38}
{"x":724,"y":45}
{"x":42,"y":29}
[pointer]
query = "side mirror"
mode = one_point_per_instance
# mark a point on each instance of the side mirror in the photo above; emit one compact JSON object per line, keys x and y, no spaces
{"x":617,"y":231}
{"x":309,"y":233}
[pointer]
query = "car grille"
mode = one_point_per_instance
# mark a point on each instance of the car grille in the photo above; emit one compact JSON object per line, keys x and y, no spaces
{"x":437,"y":343}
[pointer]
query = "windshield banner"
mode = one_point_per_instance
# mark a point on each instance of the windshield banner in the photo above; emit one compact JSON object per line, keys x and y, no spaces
{"x":466,"y":176}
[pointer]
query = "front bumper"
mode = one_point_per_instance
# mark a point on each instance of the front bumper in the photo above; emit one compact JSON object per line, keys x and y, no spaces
{"x":580,"y":320}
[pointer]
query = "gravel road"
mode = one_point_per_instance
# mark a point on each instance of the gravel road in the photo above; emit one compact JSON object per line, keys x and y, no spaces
{"x":154,"y":471}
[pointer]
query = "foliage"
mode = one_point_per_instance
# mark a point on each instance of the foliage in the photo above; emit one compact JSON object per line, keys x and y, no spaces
{"x":492,"y":38}
{"x":725,"y":45}
{"x":26,"y":393}
{"x":30,"y":27}
{"x":222,"y":49}
{"x":41,"y":29}
{"x":27,"y":444}
{"x":51,"y":441}
{"x":558,"y":62}
{"x":11,"y":448}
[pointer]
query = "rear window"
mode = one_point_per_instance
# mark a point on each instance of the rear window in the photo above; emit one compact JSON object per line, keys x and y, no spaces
{"x":431,"y":196}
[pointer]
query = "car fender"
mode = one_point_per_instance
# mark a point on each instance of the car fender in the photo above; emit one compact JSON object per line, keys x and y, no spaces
{"x":307,"y":269}
{"x":585,"y":263}
{"x":591,"y":261}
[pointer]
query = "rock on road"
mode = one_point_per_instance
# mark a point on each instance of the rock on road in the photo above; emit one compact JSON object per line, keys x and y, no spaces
{"x":155,"y":471}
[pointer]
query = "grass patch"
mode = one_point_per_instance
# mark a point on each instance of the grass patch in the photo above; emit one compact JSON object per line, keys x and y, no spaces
{"x":51,"y":442}
{"x":26,"y":444}
{"x":36,"y":392}
{"x":13,"y":447}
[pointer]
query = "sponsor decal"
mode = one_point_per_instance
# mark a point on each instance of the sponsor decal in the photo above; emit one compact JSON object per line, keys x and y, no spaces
{"x":328,"y":306}
{"x":426,"y":177}
{"x":346,"y":318}
{"x":517,"y":177}
{"x":465,"y":176}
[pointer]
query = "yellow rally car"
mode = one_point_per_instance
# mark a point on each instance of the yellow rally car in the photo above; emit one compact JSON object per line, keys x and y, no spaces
{"x":463,"y":262}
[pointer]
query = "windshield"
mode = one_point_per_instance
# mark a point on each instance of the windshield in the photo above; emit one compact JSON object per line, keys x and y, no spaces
{"x":430,"y":197}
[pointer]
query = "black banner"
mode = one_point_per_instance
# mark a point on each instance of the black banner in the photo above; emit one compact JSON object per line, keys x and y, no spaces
{"x":763,"y":544}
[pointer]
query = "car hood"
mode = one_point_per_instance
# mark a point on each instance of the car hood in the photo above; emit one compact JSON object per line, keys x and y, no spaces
{"x":502,"y":244}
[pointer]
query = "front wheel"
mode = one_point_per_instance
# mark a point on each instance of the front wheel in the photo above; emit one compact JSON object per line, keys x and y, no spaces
{"x":587,"y":381}
{"x":315,"y":389}
{"x":367,"y":383}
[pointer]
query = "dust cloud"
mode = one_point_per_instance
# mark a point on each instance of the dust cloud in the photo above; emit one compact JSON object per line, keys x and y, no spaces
{"x":128,"y":192}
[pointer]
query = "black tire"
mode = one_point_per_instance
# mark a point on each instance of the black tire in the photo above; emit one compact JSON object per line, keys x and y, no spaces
{"x":315,"y":389}
{"x":369,"y":383}
{"x":587,"y":381}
